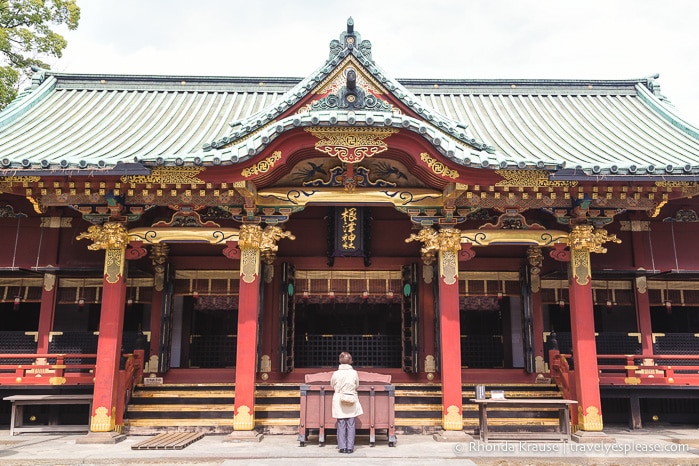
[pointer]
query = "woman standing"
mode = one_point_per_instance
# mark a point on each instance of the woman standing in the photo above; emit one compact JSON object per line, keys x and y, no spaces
{"x":346,"y":407}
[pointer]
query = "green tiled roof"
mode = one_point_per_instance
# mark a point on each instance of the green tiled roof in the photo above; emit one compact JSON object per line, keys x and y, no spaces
{"x":88,"y":123}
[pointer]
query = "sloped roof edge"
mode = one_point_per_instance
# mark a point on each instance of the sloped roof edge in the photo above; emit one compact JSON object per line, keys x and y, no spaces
{"x":350,"y":43}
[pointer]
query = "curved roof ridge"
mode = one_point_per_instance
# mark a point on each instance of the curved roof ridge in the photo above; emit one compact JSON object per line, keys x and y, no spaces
{"x":668,"y":111}
{"x":41,"y":86}
{"x":350,"y":43}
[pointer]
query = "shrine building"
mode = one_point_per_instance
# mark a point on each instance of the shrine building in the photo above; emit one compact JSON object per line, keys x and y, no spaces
{"x":187,"y":249}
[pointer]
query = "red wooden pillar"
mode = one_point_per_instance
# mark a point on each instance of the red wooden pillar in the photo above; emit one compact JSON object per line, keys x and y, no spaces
{"x":583,"y":240}
{"x":113,"y":238}
{"x":450,"y":329}
{"x":248,"y":307}
{"x":46,"y":312}
{"x":640,"y":229}
{"x":252,"y":242}
{"x":582,"y":326}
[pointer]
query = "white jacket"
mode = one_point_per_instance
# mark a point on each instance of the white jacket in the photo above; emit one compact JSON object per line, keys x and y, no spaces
{"x":345,"y":380}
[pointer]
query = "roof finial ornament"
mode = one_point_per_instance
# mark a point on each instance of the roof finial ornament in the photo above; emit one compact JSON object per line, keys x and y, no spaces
{"x":349,"y":41}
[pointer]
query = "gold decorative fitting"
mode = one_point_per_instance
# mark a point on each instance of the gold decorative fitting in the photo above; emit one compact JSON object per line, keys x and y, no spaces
{"x":535,"y":258}
{"x":438,"y":167}
{"x":351,"y":145}
{"x":530,"y":179}
{"x":108,"y":236}
{"x":591,"y":420}
{"x":262,"y":166}
{"x":102,"y":421}
{"x":265,"y":363}
{"x":271,"y":235}
{"x":158,"y":255}
{"x":113,"y":265}
{"x":167,"y":175}
{"x":590,"y":239}
{"x":243,"y":420}
{"x":430,"y":364}
{"x":449,"y":239}
{"x":49,"y":281}
{"x":453,"y":419}
{"x":6,"y":181}
{"x":250,"y":236}
{"x":253,"y":236}
{"x":430,"y":243}
{"x":434,"y":241}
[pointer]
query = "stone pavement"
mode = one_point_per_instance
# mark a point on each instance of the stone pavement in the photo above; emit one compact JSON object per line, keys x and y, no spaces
{"x":659,"y":445}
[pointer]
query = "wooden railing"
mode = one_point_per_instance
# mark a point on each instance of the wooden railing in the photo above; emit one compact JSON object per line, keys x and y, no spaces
{"x":67,"y":369}
{"x":563,"y":376}
{"x":656,"y":369}
{"x":635,"y":369}
{"x":130,"y":376}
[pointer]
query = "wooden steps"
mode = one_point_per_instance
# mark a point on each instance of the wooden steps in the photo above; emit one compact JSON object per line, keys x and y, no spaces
{"x":180,"y":407}
{"x":209,"y":408}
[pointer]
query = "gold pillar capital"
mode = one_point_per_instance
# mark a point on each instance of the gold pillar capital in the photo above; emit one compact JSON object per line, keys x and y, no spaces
{"x":582,"y":240}
{"x":254,"y":242}
{"x":449,"y":239}
{"x":434,"y":241}
{"x":252,"y":236}
{"x":113,"y":238}
{"x":587,"y":238}
{"x":110,"y":235}
{"x":447,"y":243}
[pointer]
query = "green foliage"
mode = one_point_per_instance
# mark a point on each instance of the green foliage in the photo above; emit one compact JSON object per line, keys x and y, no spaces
{"x":26,"y":34}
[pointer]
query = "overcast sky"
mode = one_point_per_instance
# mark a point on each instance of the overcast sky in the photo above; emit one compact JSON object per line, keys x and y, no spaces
{"x":595,"y":39}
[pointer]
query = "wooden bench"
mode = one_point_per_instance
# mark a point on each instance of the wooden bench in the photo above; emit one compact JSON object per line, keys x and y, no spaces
{"x":20,"y":401}
{"x":562,"y":430}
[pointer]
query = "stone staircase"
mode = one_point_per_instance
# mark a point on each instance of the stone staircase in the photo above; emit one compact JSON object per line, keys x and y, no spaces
{"x":209,"y":408}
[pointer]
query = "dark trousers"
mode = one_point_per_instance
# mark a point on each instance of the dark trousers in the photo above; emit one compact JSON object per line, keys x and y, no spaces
{"x":345,"y":433}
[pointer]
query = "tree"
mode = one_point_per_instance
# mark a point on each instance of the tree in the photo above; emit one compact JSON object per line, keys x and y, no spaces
{"x":26,"y":34}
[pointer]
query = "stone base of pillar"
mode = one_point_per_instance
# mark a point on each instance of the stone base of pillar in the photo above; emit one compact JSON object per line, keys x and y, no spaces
{"x":101,"y":437}
{"x":586,"y":436}
{"x":244,"y":436}
{"x":452,"y":436}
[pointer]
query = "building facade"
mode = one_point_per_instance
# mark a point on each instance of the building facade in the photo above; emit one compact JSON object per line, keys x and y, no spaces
{"x":450,"y":233}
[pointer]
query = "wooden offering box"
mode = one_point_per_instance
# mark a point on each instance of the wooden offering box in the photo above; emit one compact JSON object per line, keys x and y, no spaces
{"x":376,"y":395}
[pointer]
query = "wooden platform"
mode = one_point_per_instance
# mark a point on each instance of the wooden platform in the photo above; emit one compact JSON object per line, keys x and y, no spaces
{"x":169,"y":441}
